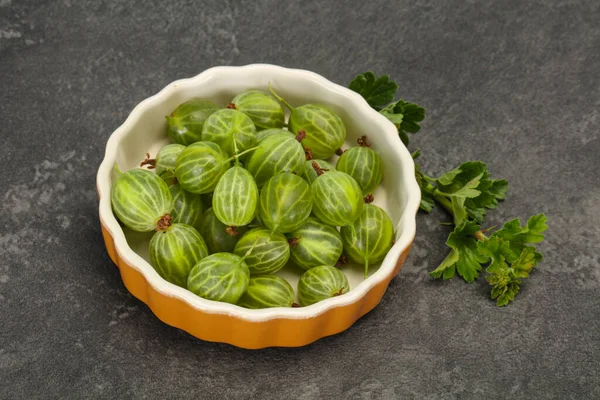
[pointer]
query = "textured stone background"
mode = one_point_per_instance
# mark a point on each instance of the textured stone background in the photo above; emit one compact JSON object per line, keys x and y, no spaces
{"x":514,"y":83}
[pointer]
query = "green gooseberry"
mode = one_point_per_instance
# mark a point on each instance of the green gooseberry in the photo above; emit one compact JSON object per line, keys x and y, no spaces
{"x":315,"y":243}
{"x":235,"y":197}
{"x":320,"y":283}
{"x":260,"y":135}
{"x":188,"y":207}
{"x":219,"y":237}
{"x":276,"y":153}
{"x":266,"y":252}
{"x":165,"y":161}
{"x":200,"y":166}
{"x":174,"y":250}
{"x":262,"y":108}
{"x":369,"y":238}
{"x":337,"y":198}
{"x":232,"y":130}
{"x":364,"y":165}
{"x":220,"y":277}
{"x":266,"y":292}
{"x":184,"y":125}
{"x":310,"y":174}
{"x":325,"y":130}
{"x":141,"y":199}
{"x":285,"y":202}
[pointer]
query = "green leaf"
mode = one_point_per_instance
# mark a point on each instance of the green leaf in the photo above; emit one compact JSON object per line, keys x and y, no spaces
{"x":463,"y":179}
{"x":406,"y":116}
{"x":470,"y":191}
{"x":396,"y":119}
{"x":518,"y":237}
{"x":376,"y":91}
{"x":464,"y":256}
{"x":512,"y":259}
{"x":492,"y":191}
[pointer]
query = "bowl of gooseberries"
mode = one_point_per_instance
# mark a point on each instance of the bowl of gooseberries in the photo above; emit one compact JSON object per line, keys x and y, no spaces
{"x":258,"y":206}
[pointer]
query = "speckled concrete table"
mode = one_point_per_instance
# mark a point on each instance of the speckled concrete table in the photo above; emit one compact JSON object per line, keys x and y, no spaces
{"x":516,"y":84}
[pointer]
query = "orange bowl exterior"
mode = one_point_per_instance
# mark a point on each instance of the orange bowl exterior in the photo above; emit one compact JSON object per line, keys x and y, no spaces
{"x":276,"y":332}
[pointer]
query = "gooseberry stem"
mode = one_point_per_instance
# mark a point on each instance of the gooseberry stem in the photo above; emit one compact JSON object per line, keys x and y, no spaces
{"x":117,"y":170}
{"x":366,"y":268}
{"x":251,"y":249}
{"x":235,"y":151}
{"x":280,"y":98}
{"x":235,"y":156}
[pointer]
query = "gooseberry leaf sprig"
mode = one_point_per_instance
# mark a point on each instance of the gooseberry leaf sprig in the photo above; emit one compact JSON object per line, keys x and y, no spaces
{"x":380,"y":92}
{"x":466,"y":192}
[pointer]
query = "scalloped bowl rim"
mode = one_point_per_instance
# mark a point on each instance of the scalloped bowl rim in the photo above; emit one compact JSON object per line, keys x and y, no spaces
{"x":407,"y":224}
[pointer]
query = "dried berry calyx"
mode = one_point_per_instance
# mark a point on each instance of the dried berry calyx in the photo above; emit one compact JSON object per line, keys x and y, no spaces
{"x":301,"y":135}
{"x":320,"y":171}
{"x":150,"y":162}
{"x":293,"y":242}
{"x":369,"y":198}
{"x":232,"y":231}
{"x":163,"y":223}
{"x":362,"y":141}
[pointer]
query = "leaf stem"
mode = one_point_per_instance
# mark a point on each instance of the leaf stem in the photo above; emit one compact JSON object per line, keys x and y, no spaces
{"x":479,"y":235}
{"x":446,"y":204}
{"x":442,"y":200}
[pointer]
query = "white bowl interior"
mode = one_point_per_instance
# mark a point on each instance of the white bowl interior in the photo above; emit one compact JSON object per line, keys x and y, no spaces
{"x":145,"y":132}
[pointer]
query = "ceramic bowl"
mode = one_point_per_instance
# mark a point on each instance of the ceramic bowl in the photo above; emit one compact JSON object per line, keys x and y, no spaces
{"x":145,"y":131}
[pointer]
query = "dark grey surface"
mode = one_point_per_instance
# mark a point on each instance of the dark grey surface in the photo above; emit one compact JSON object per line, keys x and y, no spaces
{"x":514,"y":83}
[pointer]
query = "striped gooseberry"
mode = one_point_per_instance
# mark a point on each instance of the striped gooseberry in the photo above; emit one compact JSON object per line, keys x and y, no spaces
{"x":337,"y":198}
{"x":267,"y":291}
{"x":285,"y":202}
{"x":219,"y":237}
{"x":260,"y":135}
{"x":315,"y":243}
{"x":363,"y":164}
{"x":165,"y":161}
{"x":200,"y":166}
{"x":187,"y":207}
{"x":220,"y":277}
{"x":174,"y":250}
{"x":231,"y":130}
{"x":266,"y":252}
{"x":325,"y":130}
{"x":235,"y":197}
{"x":141,"y":199}
{"x":184,"y":125}
{"x":320,"y":283}
{"x":276,"y":153}
{"x":369,"y":238}
{"x":262,"y":108}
